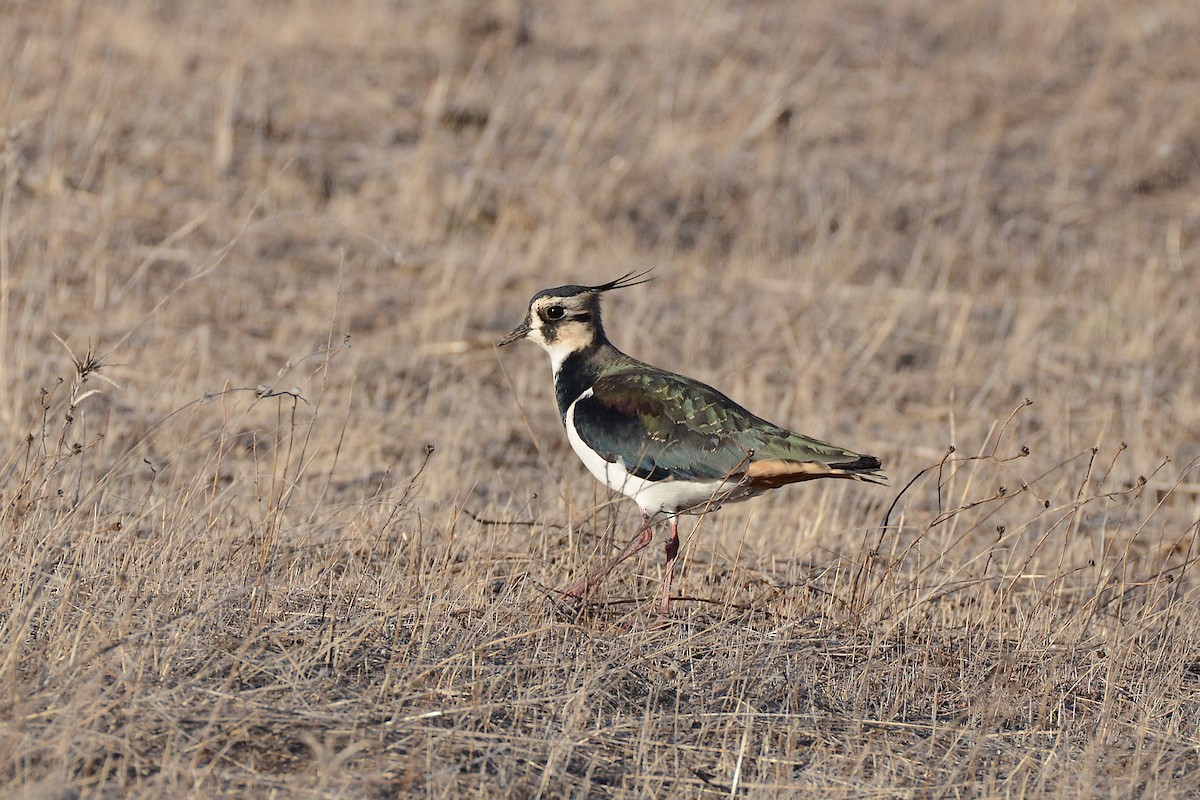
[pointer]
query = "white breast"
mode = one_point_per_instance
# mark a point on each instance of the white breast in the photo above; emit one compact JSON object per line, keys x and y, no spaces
{"x":653,"y":497}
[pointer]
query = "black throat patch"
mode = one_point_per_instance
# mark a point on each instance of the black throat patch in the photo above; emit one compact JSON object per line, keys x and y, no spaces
{"x":576,"y":375}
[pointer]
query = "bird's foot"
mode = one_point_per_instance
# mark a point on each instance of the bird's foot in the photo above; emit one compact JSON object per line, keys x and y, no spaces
{"x":568,"y":604}
{"x":654,"y":624}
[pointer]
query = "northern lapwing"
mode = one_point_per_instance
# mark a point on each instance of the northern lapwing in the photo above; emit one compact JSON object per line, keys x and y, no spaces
{"x":673,"y":444}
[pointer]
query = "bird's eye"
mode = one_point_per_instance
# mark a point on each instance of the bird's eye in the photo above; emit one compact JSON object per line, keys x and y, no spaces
{"x":555,"y":312}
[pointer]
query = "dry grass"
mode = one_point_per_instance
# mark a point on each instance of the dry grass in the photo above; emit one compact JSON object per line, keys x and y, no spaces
{"x":252,"y":260}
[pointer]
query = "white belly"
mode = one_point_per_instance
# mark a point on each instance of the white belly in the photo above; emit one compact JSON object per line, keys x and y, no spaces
{"x":653,"y":497}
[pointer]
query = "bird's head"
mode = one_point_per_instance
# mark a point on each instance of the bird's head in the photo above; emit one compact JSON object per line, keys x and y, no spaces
{"x":566,"y":319}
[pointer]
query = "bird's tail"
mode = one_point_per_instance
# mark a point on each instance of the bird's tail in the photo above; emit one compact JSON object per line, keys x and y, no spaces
{"x":772,"y":473}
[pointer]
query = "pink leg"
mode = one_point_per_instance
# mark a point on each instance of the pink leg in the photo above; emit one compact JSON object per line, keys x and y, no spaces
{"x":672,"y":550}
{"x":581,"y":587}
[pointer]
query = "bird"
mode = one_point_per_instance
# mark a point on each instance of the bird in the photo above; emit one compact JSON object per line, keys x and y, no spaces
{"x":672,"y":444}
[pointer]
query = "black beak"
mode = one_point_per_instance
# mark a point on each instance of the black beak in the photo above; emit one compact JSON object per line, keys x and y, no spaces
{"x":518,"y":333}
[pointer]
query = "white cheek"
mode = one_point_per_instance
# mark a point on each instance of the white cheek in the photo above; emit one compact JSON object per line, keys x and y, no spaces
{"x":558,"y":354}
{"x":559,"y":349}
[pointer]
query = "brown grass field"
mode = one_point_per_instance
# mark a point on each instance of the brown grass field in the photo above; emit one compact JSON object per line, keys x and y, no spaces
{"x":279,"y":520}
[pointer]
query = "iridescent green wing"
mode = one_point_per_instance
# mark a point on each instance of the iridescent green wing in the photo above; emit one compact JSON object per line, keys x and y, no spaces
{"x":659,"y":425}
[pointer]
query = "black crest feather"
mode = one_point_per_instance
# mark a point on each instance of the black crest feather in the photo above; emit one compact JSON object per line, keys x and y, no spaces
{"x":626,"y":280}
